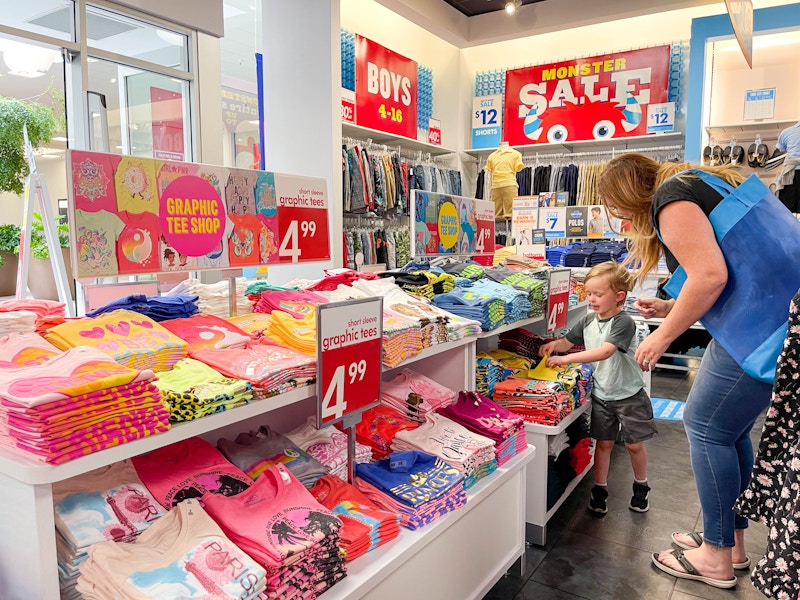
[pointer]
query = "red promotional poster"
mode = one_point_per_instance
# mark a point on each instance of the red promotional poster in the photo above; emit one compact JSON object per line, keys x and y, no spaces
{"x":386,"y":89}
{"x":167,"y":110}
{"x":593,"y":98}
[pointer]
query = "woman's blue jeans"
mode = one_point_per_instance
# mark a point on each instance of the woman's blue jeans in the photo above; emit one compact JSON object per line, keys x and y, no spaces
{"x":722,"y":406}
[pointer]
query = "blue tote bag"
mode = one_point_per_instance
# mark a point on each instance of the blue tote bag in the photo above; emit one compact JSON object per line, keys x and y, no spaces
{"x":750,"y":317}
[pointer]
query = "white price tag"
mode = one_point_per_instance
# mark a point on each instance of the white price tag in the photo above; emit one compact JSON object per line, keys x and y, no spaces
{"x":660,"y":117}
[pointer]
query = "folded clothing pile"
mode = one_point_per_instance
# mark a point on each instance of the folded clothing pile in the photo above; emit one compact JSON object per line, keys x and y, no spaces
{"x":329,"y":446}
{"x":481,"y":415}
{"x":214,"y":298}
{"x":418,"y":486}
{"x":378,"y":427}
{"x":158,"y":308}
{"x":76,"y":403}
{"x":471,"y":453}
{"x":414,"y":395}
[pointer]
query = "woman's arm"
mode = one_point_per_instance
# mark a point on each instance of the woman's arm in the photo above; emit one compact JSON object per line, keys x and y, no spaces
{"x":688,"y":234}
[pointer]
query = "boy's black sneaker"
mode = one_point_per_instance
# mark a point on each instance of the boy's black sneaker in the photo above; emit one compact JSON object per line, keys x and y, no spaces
{"x":639,"y":501}
{"x":597,"y":503}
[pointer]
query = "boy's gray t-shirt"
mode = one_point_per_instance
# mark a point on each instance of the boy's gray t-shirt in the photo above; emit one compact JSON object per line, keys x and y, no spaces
{"x":619,"y":376}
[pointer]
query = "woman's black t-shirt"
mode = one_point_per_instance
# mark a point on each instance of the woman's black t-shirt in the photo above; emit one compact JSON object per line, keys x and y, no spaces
{"x":686,"y":187}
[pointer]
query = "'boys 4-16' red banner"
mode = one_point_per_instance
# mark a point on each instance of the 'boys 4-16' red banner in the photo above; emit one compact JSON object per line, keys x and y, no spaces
{"x":587,"y":98}
{"x":386,"y":89}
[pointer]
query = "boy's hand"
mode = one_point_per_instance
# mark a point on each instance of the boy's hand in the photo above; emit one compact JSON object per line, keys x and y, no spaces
{"x":557,"y":361}
{"x":547,"y":349}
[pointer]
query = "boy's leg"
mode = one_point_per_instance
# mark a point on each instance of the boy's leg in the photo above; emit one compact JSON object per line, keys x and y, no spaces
{"x":602,"y":460}
{"x":638,"y":460}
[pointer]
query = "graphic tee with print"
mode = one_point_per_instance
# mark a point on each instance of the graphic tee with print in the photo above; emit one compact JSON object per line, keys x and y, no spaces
{"x":93,"y":180}
{"x":240,"y":192}
{"x":137,"y":244}
{"x":96,"y":240}
{"x":243,"y":245}
{"x":135,"y":185}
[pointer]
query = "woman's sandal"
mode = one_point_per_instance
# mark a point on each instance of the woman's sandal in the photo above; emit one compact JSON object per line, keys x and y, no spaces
{"x":697,"y":538}
{"x":690,"y":572}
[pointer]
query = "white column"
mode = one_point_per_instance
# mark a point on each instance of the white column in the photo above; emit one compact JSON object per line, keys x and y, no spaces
{"x":302,"y":122}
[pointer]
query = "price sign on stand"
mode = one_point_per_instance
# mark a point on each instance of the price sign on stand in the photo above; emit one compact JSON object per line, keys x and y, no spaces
{"x":348,"y":358}
{"x":558,"y":299}
{"x":484,"y":234}
{"x":302,"y":218}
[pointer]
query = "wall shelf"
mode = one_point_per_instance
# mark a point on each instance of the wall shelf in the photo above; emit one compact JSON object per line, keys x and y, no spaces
{"x":768,"y":129}
{"x":391,"y":140}
{"x":643,"y":142}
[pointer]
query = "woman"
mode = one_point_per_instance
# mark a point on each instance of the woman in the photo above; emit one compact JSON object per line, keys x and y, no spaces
{"x":724,"y":401}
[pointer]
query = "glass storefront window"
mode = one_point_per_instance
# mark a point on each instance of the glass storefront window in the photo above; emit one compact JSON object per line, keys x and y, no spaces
{"x":147,"y":114}
{"x":122,"y":35}
{"x":52,"y":18}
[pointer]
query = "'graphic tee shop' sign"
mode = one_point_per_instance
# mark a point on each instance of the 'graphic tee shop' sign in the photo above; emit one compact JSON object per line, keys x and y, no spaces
{"x":600,"y":97}
{"x":386,"y":89}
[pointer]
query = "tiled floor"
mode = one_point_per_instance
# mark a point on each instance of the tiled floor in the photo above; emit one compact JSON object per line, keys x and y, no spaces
{"x":608,"y":558}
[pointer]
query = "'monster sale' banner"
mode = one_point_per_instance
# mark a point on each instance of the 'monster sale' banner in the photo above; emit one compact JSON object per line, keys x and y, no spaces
{"x":386,"y":89}
{"x":596,"y":98}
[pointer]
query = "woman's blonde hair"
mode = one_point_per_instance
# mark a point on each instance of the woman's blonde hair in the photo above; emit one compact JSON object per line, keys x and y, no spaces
{"x":628,"y":183}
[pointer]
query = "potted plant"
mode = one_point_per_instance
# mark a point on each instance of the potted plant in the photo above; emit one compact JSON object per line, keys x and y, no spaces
{"x":9,"y":248}
{"x":41,"y":122}
{"x":41,"y":282}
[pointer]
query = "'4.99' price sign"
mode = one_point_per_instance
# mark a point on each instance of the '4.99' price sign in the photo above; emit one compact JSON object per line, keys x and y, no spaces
{"x":302,"y":219}
{"x":348,"y":358}
{"x":558,"y":299}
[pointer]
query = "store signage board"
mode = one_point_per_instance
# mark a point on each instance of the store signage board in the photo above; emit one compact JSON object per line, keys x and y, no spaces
{"x":524,"y":219}
{"x":487,"y":121}
{"x":557,"y":299}
{"x":759,"y":104}
{"x":554,"y":221}
{"x":348,"y":106}
{"x":386,"y":89}
{"x":348,"y":358}
{"x":591,"y":98}
{"x":741,"y":15}
{"x":661,"y":117}
{"x":135,"y":215}
{"x":448,"y":225}
{"x":435,"y":132}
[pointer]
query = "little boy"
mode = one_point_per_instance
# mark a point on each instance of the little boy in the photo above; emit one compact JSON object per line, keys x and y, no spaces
{"x":618,"y":395}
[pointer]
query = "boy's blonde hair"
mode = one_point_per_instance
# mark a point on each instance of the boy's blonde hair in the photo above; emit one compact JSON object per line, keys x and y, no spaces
{"x":619,"y":278}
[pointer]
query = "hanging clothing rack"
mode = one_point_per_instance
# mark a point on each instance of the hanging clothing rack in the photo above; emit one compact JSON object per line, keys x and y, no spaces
{"x":612,"y":151}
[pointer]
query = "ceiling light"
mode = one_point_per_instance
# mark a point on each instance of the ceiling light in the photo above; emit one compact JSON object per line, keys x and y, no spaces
{"x":512,"y":6}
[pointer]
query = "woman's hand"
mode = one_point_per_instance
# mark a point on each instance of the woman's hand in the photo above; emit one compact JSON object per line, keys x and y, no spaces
{"x":650,"y":350}
{"x":651,"y":308}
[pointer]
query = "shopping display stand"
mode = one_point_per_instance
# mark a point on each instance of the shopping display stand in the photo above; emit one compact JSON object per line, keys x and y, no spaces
{"x":460,"y":556}
{"x":38,"y":196}
{"x":537,"y":513}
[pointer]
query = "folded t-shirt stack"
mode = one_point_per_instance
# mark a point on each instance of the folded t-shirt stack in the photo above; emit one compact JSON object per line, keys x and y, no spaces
{"x":17,"y":321}
{"x":365,"y":526}
{"x":545,"y":402}
{"x":207,"y":331}
{"x":254,"y":324}
{"x":130,"y":338}
{"x":523,"y":342}
{"x":76,"y":403}
{"x":378,"y":427}
{"x":214,"y":298}
{"x":470,"y":453}
{"x":158,"y":308}
{"x":184,"y":554}
{"x":329,"y":446}
{"x":48,"y":312}
{"x":289,"y":533}
{"x":579,"y":255}
{"x":488,"y":372}
{"x":192,"y":389}
{"x":481,"y":415}
{"x":109,"y":503}
{"x":420,"y":487}
{"x":518,"y":306}
{"x":489,"y":311}
{"x":271,"y":368}
{"x":297,"y":303}
{"x":336,"y":277}
{"x":555,"y":255}
{"x":414,"y":395}
{"x":24,"y":349}
{"x":520,"y":280}
{"x":468,"y":269}
{"x":256,"y":451}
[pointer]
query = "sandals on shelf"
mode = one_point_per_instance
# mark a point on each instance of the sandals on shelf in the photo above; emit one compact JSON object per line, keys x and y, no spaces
{"x":737,"y":155}
{"x":762,"y":154}
{"x":706,"y":155}
{"x":752,"y":156}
